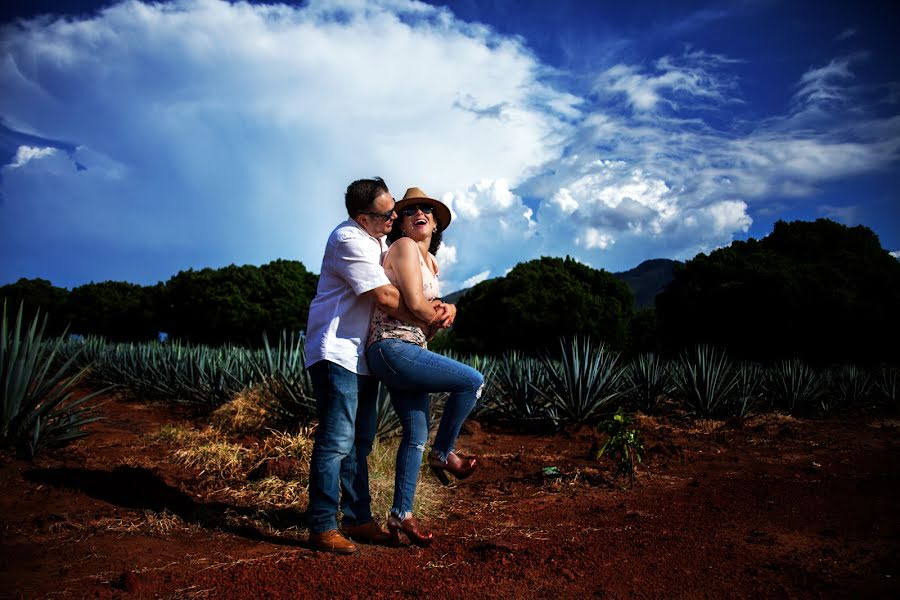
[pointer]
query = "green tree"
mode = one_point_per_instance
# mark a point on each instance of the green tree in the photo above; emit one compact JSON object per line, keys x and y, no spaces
{"x":540,"y":301}
{"x":37,"y":294}
{"x":116,"y":310}
{"x":236,"y":304}
{"x":819,"y":290}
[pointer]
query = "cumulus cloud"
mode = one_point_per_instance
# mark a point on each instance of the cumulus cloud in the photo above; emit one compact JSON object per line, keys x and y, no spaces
{"x":896,"y":254}
{"x":228,"y":132}
{"x":477,"y":278}
{"x":209,"y":132}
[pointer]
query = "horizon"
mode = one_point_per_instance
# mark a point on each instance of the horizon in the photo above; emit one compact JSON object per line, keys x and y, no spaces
{"x":141,"y":139}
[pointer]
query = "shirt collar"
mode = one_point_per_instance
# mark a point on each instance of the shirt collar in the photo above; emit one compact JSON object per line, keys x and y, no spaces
{"x":363,"y":229}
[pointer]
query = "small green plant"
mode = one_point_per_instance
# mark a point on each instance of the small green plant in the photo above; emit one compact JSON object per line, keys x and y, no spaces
{"x":623,"y":444}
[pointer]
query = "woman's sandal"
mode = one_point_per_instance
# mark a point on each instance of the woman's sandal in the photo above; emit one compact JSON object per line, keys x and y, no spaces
{"x":410,"y":527}
{"x":460,"y":468}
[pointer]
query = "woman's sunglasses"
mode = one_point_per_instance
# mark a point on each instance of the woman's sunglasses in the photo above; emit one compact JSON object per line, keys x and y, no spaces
{"x":412,"y":209}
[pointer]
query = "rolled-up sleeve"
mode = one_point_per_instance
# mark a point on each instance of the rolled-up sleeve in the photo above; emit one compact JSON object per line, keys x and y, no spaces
{"x":358,"y":262}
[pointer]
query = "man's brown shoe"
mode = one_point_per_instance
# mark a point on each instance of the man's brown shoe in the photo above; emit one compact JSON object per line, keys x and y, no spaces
{"x":331,"y":541}
{"x":367,"y":533}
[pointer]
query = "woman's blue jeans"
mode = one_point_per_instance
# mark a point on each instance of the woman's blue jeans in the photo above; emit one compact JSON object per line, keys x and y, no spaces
{"x":410,"y":373}
{"x":346,"y":409}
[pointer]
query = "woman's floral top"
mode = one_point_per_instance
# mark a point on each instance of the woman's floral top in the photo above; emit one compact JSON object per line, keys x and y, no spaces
{"x":386,"y":327}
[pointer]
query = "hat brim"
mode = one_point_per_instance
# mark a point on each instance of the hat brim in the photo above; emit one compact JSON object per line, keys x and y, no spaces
{"x":441,"y":212}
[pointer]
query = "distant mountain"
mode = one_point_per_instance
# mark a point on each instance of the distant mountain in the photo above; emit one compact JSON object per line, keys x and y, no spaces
{"x":454,"y":297}
{"x":648,"y":279}
{"x":645,"y":280}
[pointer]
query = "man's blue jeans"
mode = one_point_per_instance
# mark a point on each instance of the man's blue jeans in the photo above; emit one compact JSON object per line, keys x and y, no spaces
{"x":339,"y":471}
{"x":410,"y":372}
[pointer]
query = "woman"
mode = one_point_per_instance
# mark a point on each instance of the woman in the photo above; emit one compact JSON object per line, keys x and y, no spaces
{"x":397,"y":353}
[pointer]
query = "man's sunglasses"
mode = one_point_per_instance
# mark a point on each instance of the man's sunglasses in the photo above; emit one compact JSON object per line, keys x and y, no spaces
{"x":412,"y":209}
{"x":383,"y":216}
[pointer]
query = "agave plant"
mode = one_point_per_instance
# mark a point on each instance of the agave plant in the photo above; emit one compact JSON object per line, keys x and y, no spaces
{"x":582,"y":384}
{"x":846,"y":386}
{"x":705,"y":380}
{"x":38,"y":410}
{"x":387,"y":421}
{"x":887,"y":386}
{"x":517,"y":379}
{"x":487,"y":366}
{"x":794,"y":386}
{"x":748,"y":390}
{"x":283,"y":371}
{"x":648,"y":378}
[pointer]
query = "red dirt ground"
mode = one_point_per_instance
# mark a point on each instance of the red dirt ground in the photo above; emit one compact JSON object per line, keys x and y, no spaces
{"x":779,"y":508}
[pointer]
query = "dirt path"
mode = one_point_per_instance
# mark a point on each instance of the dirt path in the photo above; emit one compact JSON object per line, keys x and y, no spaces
{"x":778,"y":509}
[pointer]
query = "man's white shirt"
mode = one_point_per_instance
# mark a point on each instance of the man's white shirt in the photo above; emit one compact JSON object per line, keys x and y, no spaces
{"x":338,"y":318}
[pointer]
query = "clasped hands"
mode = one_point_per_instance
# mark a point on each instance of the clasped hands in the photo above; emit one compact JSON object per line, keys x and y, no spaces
{"x":445,"y":314}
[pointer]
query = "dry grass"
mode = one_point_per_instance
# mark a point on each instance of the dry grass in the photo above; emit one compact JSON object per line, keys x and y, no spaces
{"x":245,"y":414}
{"x":217,"y":458}
{"x":271,"y":469}
{"x":429,"y":493}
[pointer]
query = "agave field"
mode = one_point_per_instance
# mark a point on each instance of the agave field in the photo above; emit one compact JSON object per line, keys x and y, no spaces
{"x":179,"y":471}
{"x":581,"y":383}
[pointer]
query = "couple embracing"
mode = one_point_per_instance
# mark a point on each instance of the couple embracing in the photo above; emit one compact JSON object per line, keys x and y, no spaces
{"x":374,"y":311}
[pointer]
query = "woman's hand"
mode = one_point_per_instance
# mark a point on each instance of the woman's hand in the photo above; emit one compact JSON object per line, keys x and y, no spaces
{"x":449,"y":314}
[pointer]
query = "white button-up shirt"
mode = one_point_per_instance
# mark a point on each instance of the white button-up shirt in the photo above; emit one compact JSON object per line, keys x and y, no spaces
{"x":338,"y":318}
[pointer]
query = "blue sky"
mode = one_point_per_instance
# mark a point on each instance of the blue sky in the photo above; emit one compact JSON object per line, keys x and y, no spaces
{"x":138,"y":139}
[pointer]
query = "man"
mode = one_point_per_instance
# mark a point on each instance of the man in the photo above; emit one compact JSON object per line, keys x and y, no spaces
{"x":351,"y":282}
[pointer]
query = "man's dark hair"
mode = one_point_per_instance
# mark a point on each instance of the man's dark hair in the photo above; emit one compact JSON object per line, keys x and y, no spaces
{"x":396,"y":233}
{"x":362,"y":193}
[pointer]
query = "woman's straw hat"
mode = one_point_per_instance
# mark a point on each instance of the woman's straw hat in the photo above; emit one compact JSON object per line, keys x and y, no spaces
{"x":416,"y":196}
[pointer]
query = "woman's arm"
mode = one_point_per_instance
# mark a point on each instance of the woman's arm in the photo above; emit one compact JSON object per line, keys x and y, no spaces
{"x":404,"y":260}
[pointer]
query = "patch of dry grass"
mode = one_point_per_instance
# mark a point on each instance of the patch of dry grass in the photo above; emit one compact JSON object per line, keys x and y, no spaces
{"x":218,"y":458}
{"x":429,"y":493}
{"x":270,"y":470}
{"x":246,"y":413}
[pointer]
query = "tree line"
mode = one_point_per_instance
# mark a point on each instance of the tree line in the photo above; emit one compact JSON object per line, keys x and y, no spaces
{"x":819,"y":291}
{"x":233,"y":304}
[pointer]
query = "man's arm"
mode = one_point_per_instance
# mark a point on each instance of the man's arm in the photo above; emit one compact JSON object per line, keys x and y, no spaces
{"x":389,"y":299}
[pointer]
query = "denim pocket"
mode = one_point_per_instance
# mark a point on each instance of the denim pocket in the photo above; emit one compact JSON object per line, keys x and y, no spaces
{"x":385,"y":361}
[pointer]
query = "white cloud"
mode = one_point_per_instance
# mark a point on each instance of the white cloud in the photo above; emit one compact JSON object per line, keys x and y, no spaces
{"x":693,"y":75}
{"x":476,"y":279}
{"x":230,"y":131}
{"x":896,"y":254}
{"x":25,"y":154}
{"x":846,"y":34}
{"x":214,"y":132}
{"x":446,"y":255}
